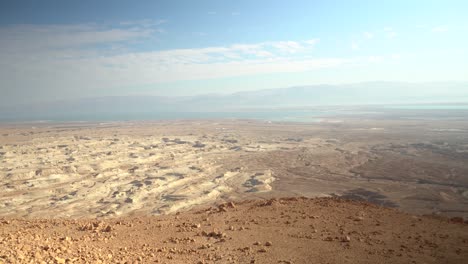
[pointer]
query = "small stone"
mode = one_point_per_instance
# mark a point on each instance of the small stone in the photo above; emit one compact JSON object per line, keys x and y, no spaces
{"x":59,"y":260}
{"x":268,"y":244}
{"x":107,"y":229}
{"x":346,"y":239}
{"x":19,"y":255}
{"x":458,"y":220}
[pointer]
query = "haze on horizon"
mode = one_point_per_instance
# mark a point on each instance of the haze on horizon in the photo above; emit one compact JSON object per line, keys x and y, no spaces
{"x":56,"y":50}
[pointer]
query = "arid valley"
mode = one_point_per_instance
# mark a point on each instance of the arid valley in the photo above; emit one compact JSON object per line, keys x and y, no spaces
{"x":258,"y":132}
{"x":66,"y":175}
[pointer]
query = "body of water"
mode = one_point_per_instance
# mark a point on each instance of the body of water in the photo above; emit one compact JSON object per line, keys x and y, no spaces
{"x":428,"y":107}
{"x":422,"y":111}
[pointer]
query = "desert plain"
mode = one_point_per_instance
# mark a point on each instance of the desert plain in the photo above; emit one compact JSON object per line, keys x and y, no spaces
{"x":234,"y":191}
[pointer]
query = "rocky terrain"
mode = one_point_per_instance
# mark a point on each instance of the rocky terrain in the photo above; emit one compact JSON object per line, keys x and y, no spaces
{"x":212,"y":192}
{"x":288,"y":230}
{"x":107,"y":174}
{"x":115,"y":169}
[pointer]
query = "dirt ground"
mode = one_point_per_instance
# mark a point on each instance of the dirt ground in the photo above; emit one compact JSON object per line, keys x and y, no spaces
{"x":289,"y":230}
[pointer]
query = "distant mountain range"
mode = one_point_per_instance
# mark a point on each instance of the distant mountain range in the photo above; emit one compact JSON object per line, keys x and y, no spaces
{"x":292,"y":97}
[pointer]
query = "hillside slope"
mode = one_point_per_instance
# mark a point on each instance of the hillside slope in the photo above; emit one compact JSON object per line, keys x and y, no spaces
{"x":288,"y":230}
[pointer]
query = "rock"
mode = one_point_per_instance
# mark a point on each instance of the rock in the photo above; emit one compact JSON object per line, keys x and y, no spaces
{"x":179,"y":141}
{"x":65,"y":238}
{"x":268,"y":244}
{"x":59,"y":260}
{"x":205,"y":246}
{"x":346,"y":239}
{"x":107,"y":229}
{"x":198,"y":145}
{"x":458,"y":220}
{"x":214,"y":234}
{"x":19,"y":254}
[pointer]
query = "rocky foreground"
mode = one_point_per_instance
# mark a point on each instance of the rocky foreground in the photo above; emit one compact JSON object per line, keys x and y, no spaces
{"x":288,"y":230}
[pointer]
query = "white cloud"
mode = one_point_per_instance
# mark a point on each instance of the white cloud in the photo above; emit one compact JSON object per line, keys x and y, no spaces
{"x":368,"y":35}
{"x":375,"y":59}
{"x":35,"y":39}
{"x":396,"y":56}
{"x":288,"y":46}
{"x":144,"y":22}
{"x":312,"y":41}
{"x":390,"y":32}
{"x":354,"y":45}
{"x":134,"y":69}
{"x":440,"y":29}
{"x":74,"y":59}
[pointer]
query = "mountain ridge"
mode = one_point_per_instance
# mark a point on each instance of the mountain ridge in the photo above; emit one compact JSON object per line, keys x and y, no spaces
{"x":296,"y":96}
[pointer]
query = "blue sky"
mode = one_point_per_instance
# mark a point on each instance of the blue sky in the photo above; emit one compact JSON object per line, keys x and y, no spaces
{"x":68,"y":49}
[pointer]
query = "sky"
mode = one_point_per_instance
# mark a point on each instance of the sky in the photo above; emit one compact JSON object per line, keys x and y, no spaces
{"x":53,"y":50}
